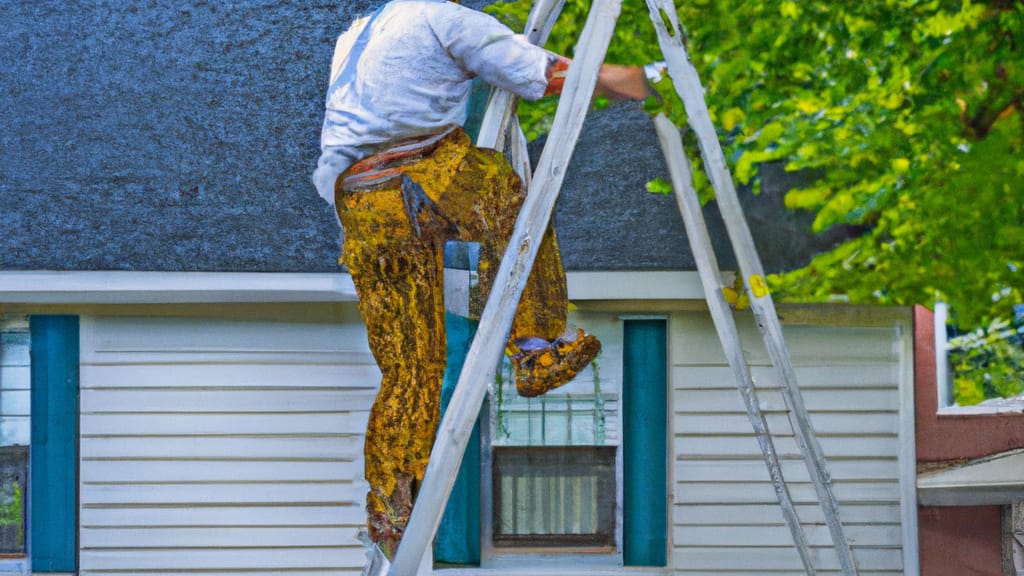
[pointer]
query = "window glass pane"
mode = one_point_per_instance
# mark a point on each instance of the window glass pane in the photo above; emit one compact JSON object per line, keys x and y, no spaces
{"x":554,"y":496}
{"x":576,"y":415}
{"x":15,"y":429}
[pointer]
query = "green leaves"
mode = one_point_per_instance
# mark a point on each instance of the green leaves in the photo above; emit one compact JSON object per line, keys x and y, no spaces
{"x":988,"y":362}
{"x":659,"y":186}
{"x":906,"y":116}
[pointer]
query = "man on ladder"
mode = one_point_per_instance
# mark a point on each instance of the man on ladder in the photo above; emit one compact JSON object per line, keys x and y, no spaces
{"x":405,"y":179}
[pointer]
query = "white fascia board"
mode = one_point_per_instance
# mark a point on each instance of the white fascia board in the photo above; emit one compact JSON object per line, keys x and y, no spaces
{"x":124,"y":287}
{"x":994,"y":480}
{"x":118,"y":287}
{"x":629,"y":285}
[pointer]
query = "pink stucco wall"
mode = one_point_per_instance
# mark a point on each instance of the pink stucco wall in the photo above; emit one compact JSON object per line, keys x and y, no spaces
{"x":956,"y":540}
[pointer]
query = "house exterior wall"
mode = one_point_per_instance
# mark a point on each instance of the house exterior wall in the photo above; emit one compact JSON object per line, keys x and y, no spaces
{"x":724,"y":514}
{"x":960,"y":540}
{"x":725,"y":517}
{"x":216,"y":445}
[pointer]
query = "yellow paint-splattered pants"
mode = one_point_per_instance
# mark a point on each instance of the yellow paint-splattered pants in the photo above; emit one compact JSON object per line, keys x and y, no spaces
{"x":396,"y":261}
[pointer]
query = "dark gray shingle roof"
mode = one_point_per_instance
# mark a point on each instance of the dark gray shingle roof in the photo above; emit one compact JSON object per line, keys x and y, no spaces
{"x":606,"y":220}
{"x":181,"y":137}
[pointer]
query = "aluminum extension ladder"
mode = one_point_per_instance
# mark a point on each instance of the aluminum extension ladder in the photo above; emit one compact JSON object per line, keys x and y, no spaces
{"x":496,"y":321}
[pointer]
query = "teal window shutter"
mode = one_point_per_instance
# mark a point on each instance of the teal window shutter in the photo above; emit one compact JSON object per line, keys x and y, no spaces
{"x":54,"y":445}
{"x":645,"y":443}
{"x":476,"y":107}
{"x":458,"y":535}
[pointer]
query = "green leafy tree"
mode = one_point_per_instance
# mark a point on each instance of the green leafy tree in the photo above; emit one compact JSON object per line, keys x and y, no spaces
{"x":988,"y":362}
{"x":906,"y":115}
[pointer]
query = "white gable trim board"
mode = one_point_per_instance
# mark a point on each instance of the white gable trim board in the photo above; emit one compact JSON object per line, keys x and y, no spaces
{"x":996,"y":479}
{"x":213,"y":445}
{"x":121,"y":287}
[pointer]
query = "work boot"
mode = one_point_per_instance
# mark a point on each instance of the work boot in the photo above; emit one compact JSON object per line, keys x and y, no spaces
{"x":541,"y":366}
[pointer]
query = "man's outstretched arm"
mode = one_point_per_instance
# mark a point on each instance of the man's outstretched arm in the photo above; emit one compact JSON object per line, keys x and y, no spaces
{"x":614,"y":81}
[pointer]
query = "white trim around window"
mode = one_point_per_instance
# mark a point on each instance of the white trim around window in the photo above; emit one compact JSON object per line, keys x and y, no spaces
{"x":944,"y":379}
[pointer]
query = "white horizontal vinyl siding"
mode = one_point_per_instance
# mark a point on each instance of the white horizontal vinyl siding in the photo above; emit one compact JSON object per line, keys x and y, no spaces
{"x":726,"y":519}
{"x":214,"y":447}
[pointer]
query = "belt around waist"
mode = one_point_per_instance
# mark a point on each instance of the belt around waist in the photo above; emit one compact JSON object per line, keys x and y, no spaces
{"x":381,"y":167}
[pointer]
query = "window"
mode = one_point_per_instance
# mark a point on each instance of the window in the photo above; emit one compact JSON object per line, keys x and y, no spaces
{"x":554,"y":496}
{"x":580,"y":470}
{"x":38,"y":430}
{"x":554,"y":459}
{"x":14,"y":440}
{"x":980,"y":371}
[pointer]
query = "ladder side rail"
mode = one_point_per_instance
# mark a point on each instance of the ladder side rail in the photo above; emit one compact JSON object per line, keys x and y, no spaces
{"x":518,"y":152}
{"x":496,"y":120}
{"x":500,"y":114}
{"x":725,"y":324}
{"x":496,"y":320}
{"x":542,"y":19}
{"x":688,"y":86}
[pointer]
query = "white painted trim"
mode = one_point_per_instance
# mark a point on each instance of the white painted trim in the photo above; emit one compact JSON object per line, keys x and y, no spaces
{"x":15,"y":567}
{"x":993,"y":407}
{"x":652,"y":285}
{"x":122,"y":287}
{"x":942,"y":380}
{"x":572,"y":566}
{"x":908,"y":450}
{"x":564,"y":563}
{"x":118,"y":287}
{"x":994,"y":480}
